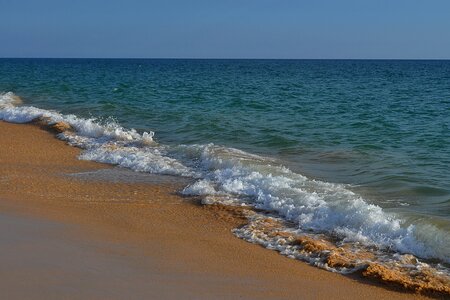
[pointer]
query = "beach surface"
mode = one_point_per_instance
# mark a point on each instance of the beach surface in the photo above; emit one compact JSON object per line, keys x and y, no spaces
{"x":77,"y":229}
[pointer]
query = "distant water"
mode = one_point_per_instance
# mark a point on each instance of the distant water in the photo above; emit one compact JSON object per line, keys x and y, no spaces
{"x":356,"y":149}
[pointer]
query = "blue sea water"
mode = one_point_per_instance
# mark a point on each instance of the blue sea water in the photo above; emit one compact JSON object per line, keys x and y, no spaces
{"x":308,"y":139}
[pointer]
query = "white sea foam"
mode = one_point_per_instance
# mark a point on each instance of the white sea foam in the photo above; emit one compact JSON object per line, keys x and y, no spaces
{"x":9,"y":99}
{"x":84,"y":127}
{"x":233,"y":176}
{"x":314,"y":205}
{"x":147,"y":159}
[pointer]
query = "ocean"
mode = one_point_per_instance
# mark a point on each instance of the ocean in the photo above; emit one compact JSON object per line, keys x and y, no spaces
{"x":353,"y":151}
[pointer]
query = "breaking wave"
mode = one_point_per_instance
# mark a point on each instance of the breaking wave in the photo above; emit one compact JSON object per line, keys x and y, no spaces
{"x":305,"y":206}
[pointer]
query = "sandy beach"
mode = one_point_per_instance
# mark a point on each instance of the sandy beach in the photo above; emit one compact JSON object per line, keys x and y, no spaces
{"x":67,"y":233}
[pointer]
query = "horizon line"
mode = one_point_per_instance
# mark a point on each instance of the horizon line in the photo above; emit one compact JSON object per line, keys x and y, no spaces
{"x":217,"y":58}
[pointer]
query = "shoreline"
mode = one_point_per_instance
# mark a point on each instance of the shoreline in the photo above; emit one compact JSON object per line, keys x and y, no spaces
{"x":190,"y":243}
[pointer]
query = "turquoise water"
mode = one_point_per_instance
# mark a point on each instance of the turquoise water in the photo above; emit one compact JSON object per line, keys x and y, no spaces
{"x":380,"y":128}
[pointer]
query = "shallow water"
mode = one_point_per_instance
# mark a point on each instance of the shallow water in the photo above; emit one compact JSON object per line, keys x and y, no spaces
{"x":356,"y":149}
{"x":122,"y":175}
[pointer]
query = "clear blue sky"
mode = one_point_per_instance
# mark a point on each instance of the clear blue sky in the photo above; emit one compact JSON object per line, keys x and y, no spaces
{"x":225,"y":29}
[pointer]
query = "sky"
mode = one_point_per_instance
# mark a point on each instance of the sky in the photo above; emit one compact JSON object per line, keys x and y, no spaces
{"x":314,"y":29}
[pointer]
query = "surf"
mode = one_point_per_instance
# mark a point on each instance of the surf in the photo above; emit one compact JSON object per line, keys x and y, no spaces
{"x":304,"y":211}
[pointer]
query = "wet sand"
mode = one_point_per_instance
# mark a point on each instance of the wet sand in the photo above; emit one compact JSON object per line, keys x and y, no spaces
{"x":88,"y":236}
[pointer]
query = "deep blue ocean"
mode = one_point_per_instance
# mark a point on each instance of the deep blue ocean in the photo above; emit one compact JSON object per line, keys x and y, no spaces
{"x":341,"y":131}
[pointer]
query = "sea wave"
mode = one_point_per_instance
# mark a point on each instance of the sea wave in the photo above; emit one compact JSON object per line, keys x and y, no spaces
{"x":91,"y":128}
{"x":234,"y":177}
{"x":313,"y":205}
